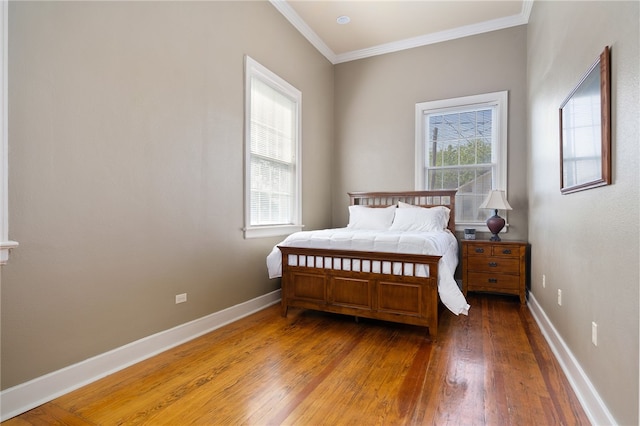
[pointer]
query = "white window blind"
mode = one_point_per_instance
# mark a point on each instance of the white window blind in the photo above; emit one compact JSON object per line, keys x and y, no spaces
{"x":273,"y":129}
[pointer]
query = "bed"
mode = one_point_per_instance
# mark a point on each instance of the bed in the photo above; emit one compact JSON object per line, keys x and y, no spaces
{"x":394,"y":261}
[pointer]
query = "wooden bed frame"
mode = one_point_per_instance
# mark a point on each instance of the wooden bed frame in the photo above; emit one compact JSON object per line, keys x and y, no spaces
{"x":403,"y":298}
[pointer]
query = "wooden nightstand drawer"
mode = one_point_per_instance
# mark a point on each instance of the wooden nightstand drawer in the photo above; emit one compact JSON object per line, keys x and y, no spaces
{"x":482,"y":281}
{"x":480,"y":249}
{"x":493,"y":264}
{"x":500,"y":250}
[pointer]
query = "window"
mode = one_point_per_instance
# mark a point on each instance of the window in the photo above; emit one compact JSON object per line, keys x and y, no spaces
{"x":272,"y":150}
{"x":5,"y":244}
{"x":461,"y":144}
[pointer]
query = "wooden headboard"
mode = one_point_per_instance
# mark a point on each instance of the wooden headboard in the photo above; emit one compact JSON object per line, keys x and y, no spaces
{"x":416,"y":198}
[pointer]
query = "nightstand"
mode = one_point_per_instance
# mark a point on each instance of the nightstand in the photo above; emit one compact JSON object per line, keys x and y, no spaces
{"x":495,"y":266}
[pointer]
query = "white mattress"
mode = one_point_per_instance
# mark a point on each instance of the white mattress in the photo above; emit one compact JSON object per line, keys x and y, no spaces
{"x":432,"y":243}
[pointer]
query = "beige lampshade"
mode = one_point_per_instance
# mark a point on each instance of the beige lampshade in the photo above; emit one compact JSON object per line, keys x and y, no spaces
{"x":496,"y":200}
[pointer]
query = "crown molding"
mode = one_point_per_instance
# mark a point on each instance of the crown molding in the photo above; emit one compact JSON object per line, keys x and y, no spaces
{"x":482,"y":27}
{"x":527,"y":5}
{"x":460,"y":32}
{"x":287,"y":11}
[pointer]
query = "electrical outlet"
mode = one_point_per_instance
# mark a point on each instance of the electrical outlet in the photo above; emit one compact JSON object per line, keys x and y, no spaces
{"x":559,"y":297}
{"x":544,"y":281}
{"x":594,"y":333}
{"x":181,"y":298}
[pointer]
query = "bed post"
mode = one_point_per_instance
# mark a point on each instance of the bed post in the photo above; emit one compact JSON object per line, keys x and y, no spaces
{"x":283,"y":292}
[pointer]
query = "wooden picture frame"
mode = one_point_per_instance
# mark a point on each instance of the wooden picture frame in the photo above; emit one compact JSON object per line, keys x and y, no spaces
{"x":585,"y":130}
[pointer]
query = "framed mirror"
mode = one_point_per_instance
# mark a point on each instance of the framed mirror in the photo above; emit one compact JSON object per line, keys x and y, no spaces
{"x":585,"y":130}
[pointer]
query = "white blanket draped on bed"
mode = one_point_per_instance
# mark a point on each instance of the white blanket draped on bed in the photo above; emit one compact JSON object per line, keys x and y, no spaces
{"x":431,"y":243}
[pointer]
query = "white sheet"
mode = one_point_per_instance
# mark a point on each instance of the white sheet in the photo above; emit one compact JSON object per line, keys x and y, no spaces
{"x":432,"y":243}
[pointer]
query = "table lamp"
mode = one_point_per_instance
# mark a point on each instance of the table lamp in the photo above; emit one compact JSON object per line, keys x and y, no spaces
{"x":496,"y":200}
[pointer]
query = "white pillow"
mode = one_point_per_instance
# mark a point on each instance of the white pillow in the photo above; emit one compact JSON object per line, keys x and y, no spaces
{"x":421,"y":219}
{"x":407,"y":205}
{"x":378,"y":218}
{"x":447,"y":210}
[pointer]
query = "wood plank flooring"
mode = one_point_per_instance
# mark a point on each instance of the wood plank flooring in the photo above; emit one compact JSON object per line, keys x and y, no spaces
{"x":490,"y":368}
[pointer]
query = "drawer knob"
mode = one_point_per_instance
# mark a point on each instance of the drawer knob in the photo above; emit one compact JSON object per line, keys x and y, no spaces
{"x":479,"y":250}
{"x":493,"y":264}
{"x":506,"y":251}
{"x":493,"y":280}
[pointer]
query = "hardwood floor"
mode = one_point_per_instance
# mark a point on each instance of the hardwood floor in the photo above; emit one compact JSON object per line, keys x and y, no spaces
{"x":490,"y":368}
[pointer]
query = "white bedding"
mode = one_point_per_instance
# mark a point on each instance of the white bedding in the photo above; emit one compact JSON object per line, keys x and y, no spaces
{"x":441,"y":243}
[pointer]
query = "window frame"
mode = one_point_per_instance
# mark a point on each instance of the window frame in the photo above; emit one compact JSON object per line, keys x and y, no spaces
{"x":5,"y":243}
{"x":499,"y":100}
{"x":253,"y":69}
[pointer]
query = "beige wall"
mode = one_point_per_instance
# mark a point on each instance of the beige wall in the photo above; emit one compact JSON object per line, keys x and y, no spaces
{"x":126,"y":169}
{"x":375,"y":112}
{"x":587,"y":243}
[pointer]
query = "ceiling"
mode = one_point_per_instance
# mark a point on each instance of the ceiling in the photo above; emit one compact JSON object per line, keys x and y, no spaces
{"x":384,"y":26}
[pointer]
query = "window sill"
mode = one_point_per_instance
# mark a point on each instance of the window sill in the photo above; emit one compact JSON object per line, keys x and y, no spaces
{"x":271,"y":231}
{"x":5,"y":247}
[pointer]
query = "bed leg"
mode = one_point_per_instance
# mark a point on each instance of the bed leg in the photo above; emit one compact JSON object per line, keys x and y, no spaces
{"x":432,"y":335}
{"x":357,"y":319}
{"x":283,"y":308}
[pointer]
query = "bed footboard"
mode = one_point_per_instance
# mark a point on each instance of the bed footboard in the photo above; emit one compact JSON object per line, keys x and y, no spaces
{"x":385,"y":286}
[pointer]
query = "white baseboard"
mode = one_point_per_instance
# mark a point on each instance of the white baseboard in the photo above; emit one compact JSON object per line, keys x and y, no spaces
{"x":28,"y":395}
{"x":592,"y":404}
